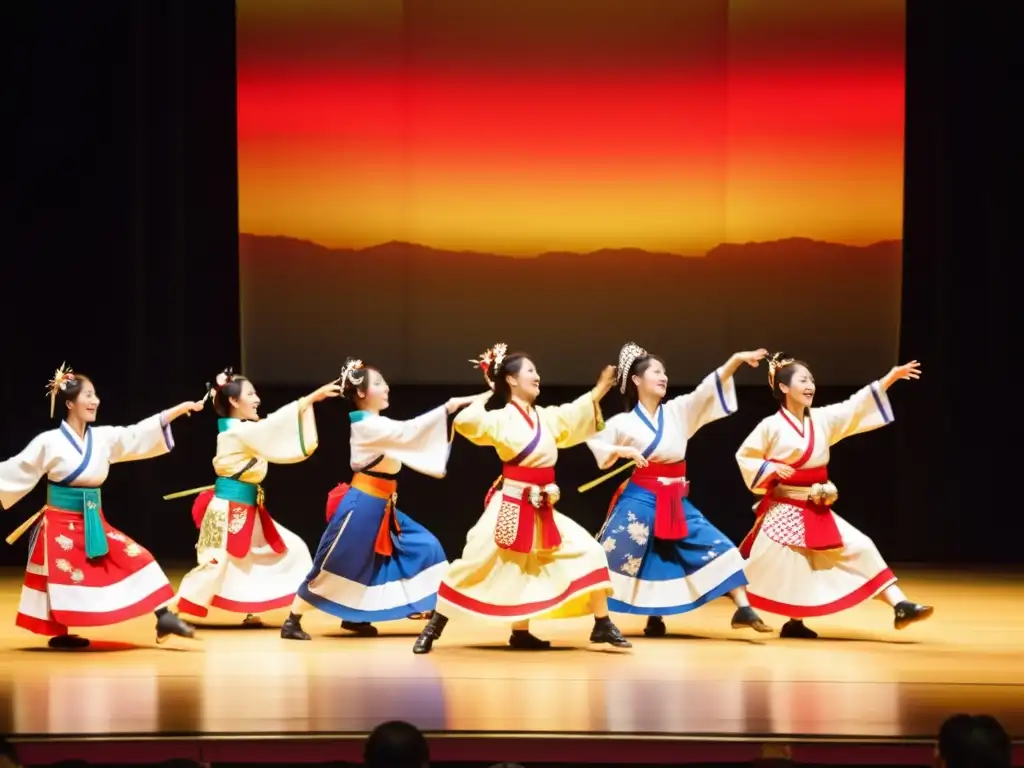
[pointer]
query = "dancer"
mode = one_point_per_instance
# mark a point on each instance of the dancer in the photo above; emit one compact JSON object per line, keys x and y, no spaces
{"x":523,"y":560}
{"x":248,"y":563}
{"x":83,"y":572}
{"x":803,"y":559}
{"x":687,"y":562}
{"x":374,"y":562}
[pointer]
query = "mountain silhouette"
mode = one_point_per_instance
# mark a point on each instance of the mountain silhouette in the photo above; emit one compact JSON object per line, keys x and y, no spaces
{"x":419,"y":312}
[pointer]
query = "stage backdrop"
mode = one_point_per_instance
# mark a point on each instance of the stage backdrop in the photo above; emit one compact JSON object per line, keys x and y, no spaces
{"x":420,"y":179}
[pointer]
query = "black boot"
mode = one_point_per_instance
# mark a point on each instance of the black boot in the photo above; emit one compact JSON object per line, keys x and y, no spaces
{"x":908,"y":613}
{"x":67,"y":642}
{"x":430,"y":633}
{"x":606,"y":632}
{"x":168,"y":623}
{"x":361,"y":628}
{"x":252,"y":621}
{"x":292,"y":629}
{"x":796,"y":629}
{"x":655,"y":627}
{"x":747,"y":618}
{"x":524,"y":640}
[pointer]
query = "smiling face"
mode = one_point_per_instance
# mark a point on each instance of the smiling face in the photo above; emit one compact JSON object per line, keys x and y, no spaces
{"x":85,"y":404}
{"x":650,"y":378}
{"x":525,"y":383}
{"x":374,"y":396}
{"x":799,"y":389}
{"x":246,"y":404}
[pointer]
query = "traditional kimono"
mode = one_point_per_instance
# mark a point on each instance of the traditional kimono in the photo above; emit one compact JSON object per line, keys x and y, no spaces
{"x":524,"y":560}
{"x":83,"y":572}
{"x":374,"y":562}
{"x":803,"y":559}
{"x":664,"y":556}
{"x":248,"y":563}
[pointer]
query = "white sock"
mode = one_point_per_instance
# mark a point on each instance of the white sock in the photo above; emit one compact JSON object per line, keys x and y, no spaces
{"x":739,"y":596}
{"x":893,"y":595}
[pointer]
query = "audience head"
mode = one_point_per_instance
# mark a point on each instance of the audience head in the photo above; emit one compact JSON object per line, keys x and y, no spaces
{"x":973,"y":741}
{"x":396,"y":744}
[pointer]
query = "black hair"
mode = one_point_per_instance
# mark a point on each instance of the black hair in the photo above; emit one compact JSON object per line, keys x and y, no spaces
{"x":222,"y":395}
{"x":511,"y":365}
{"x":358,"y":382}
{"x":68,"y":391}
{"x":974,"y":741}
{"x":785,"y":373}
{"x":396,"y":744}
{"x":638,"y":368}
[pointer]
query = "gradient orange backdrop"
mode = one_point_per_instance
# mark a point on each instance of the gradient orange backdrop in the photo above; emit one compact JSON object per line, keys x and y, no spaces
{"x":522,"y":126}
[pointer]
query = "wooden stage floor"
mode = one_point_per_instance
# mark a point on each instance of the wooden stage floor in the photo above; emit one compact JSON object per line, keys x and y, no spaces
{"x":862,"y":681}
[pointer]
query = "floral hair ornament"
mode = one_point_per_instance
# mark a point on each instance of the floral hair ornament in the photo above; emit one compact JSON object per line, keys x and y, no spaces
{"x":775,"y":362}
{"x":219,"y":383}
{"x":59,"y":382}
{"x":491,"y":359}
{"x":627,"y":356}
{"x":348,"y":374}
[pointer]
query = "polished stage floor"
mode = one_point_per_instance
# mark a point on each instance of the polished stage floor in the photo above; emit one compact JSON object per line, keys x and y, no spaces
{"x":861,"y":680}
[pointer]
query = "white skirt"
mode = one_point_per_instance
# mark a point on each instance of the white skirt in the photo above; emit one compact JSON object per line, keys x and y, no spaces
{"x":803,"y":583}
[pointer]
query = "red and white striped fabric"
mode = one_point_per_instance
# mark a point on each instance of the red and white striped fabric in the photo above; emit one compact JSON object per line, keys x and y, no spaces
{"x":63,"y":588}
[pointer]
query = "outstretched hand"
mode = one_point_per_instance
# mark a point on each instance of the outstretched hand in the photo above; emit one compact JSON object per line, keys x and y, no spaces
{"x":910,"y":371}
{"x":606,"y":380}
{"x":327,"y":390}
{"x":753,"y":358}
{"x":457,"y":403}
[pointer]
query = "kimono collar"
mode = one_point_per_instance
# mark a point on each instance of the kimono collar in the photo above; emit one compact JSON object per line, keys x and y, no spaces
{"x":356,"y":416}
{"x":223,"y":425}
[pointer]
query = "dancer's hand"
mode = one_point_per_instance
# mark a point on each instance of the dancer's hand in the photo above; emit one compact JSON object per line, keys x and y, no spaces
{"x":186,"y":408}
{"x":783,"y":471}
{"x":457,"y":403}
{"x":628,"y":452}
{"x":327,"y":390}
{"x":911,"y":370}
{"x":605,"y":382}
{"x":754,"y":358}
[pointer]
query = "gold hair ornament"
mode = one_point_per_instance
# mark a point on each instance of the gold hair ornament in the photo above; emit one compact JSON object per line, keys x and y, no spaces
{"x":774,"y":365}
{"x":348,"y":374}
{"x":627,"y":356}
{"x":59,"y":382}
{"x":491,"y":359}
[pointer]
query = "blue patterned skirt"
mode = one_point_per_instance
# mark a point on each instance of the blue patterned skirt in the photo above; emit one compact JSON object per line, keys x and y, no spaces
{"x":653,"y":577}
{"x":352,"y":581}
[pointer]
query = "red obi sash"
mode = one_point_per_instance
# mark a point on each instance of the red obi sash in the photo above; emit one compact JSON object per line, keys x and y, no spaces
{"x":515,"y":529}
{"x":669,"y":516}
{"x":820,"y":529}
{"x":241,"y":523}
{"x":379,"y":488}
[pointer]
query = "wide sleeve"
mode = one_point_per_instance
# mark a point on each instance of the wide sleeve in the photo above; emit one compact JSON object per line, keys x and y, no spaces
{"x":575,"y":422}
{"x":867,"y":409}
{"x":755,"y":466}
{"x":420,"y":443}
{"x":20,"y":474}
{"x":606,"y":443}
{"x":287,"y":436}
{"x":146,"y":440}
{"x":477,"y":424}
{"x":713,"y":399}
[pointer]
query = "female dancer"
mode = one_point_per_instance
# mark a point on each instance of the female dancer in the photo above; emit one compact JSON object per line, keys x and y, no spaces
{"x":248,"y":563}
{"x":523,"y":560}
{"x":803,"y":559}
{"x":374,"y":562}
{"x":687,"y":562}
{"x":83,"y":572}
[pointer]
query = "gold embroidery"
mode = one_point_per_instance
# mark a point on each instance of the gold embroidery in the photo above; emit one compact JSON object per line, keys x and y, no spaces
{"x":609,"y":544}
{"x":508,"y":524}
{"x":212,"y":530}
{"x":132,"y":549}
{"x":71,"y":526}
{"x":62,"y":565}
{"x":237,"y":521}
{"x":116,"y":536}
{"x":631,"y":565}
{"x":64,"y":542}
{"x":638,"y":531}
{"x":77,"y":576}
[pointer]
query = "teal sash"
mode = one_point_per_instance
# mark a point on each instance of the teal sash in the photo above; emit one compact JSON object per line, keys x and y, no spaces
{"x":230,"y":489}
{"x":88,"y":502}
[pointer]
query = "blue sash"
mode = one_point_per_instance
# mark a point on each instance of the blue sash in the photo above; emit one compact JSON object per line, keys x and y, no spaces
{"x":658,"y":432}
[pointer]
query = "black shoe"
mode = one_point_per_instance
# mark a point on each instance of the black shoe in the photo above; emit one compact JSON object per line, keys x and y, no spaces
{"x":747,"y":618}
{"x":430,"y":633}
{"x":655,"y":627}
{"x":606,"y":632}
{"x":796,"y":629}
{"x":168,"y":623}
{"x":361,"y":628}
{"x":67,"y":642}
{"x":524,"y":640}
{"x":255,"y":622}
{"x":292,"y":629}
{"x":908,"y":613}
